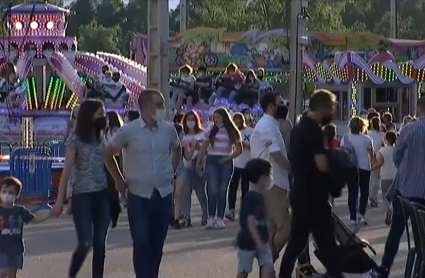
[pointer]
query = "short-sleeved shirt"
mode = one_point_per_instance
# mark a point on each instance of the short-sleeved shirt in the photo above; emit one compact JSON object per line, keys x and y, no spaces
{"x":252,"y":204}
{"x":222,"y":145}
{"x":187,"y":141}
{"x":310,"y":184}
{"x":267,"y":130}
{"x":12,"y":222}
{"x":245,"y":156}
{"x":146,"y":156}
{"x":362,"y":144}
{"x":89,"y":172}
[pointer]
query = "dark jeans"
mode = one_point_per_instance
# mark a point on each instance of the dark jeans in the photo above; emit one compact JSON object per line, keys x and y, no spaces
{"x":91,"y":215}
{"x":398,"y":226}
{"x":320,"y":223}
{"x":218,"y":179}
{"x":148,"y":220}
{"x":238,"y":174}
{"x":360,"y":181}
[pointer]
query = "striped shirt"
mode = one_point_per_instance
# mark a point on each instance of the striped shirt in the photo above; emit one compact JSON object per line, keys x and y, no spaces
{"x":221,"y":145}
{"x":409,"y":158}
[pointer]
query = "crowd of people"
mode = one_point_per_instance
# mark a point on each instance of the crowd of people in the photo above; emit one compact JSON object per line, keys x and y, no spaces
{"x":288,"y":176}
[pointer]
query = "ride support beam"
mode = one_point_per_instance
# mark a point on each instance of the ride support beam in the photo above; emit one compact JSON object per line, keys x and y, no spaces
{"x":158,"y":35}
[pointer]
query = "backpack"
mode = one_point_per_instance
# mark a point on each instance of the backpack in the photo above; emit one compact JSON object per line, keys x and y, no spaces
{"x":351,"y":151}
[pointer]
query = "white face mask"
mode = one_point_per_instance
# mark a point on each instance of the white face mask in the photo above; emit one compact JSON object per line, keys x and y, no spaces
{"x":363,"y":116}
{"x":190,"y":124}
{"x":160,"y":115}
{"x":8,"y":198}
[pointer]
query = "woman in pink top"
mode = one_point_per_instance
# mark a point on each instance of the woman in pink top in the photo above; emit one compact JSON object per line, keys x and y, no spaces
{"x":222,"y":141}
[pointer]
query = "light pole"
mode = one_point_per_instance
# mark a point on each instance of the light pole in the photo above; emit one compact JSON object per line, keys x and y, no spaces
{"x":393,"y":19}
{"x":298,"y":38}
{"x":183,"y":15}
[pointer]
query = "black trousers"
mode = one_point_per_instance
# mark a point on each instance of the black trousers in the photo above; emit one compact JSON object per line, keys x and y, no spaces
{"x":320,"y":223}
{"x":238,"y":174}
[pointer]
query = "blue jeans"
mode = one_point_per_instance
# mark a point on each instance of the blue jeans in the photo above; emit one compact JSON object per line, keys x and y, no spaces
{"x":91,"y":215}
{"x":218,"y":179}
{"x":398,"y":226}
{"x":194,"y":182}
{"x":221,"y":90}
{"x":148,"y":220}
{"x":361,"y":181}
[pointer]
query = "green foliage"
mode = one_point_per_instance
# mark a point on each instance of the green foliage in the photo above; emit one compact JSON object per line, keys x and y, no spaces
{"x":95,"y":37}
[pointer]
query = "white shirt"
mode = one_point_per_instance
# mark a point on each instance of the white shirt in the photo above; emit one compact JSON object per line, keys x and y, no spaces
{"x":362,"y":144}
{"x":189,"y":79}
{"x":267,"y":130}
{"x":245,"y":156}
{"x":377,"y":139}
{"x":388,"y":169}
{"x":187,"y":141}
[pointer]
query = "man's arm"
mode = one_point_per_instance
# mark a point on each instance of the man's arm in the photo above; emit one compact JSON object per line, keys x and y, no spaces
{"x":401,"y":145}
{"x":175,"y":148}
{"x":317,"y":145}
{"x":275,"y":151}
{"x":118,"y":142}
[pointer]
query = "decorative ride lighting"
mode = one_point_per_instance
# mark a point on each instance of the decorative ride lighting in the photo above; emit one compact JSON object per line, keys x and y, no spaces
{"x":34,"y":25}
{"x":19,"y":25}
{"x":50,"y":25}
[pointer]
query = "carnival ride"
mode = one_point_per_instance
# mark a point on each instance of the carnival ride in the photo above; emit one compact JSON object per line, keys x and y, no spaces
{"x":52,"y":73}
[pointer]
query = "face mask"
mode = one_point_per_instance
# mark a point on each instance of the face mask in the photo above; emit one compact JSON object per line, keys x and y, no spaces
{"x":8,"y":198}
{"x":100,"y":123}
{"x":160,"y":115}
{"x":281,"y":112}
{"x":327,"y":119}
{"x":190,"y":124}
{"x":220,"y":125}
{"x":363,"y":116}
{"x":201,"y":75}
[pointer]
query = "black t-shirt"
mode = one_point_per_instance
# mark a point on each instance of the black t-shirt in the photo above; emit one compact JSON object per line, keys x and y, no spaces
{"x":12,"y":222}
{"x":252,"y":204}
{"x":310,"y":186}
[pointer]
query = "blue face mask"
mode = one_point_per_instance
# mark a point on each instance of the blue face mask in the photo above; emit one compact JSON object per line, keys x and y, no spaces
{"x":220,"y":125}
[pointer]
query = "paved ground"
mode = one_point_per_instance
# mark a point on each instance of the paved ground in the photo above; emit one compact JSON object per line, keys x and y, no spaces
{"x":191,"y":253}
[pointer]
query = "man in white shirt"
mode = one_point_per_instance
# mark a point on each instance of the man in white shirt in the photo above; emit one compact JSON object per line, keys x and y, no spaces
{"x":267,"y":143}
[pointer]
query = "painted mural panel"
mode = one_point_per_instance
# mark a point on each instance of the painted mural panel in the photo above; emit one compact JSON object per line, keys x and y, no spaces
{"x":216,"y":48}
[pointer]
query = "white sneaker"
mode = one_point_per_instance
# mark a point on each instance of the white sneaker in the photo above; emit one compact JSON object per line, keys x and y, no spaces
{"x":219,"y":223}
{"x":210,"y":223}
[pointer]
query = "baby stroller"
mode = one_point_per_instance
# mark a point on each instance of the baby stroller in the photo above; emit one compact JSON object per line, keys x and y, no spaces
{"x":356,"y":261}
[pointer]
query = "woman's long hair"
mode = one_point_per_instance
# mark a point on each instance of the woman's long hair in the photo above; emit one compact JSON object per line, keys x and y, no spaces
{"x":85,"y":127}
{"x":198,"y":124}
{"x":375,"y":124}
{"x":252,"y":73}
{"x":241,"y":117}
{"x":114,"y":119}
{"x":231,"y":65}
{"x":229,"y":125}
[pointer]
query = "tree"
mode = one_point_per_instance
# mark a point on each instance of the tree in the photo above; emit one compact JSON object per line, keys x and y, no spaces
{"x":95,"y":37}
{"x":84,"y":12}
{"x":110,"y":13}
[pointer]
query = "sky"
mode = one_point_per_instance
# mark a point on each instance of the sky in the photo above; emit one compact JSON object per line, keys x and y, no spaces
{"x":173,"y":3}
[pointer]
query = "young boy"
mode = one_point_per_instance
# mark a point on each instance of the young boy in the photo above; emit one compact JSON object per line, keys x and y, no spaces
{"x":252,"y":240}
{"x":12,"y":220}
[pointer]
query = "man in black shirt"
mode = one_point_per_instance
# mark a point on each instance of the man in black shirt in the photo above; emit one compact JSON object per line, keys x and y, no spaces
{"x":311,"y":212}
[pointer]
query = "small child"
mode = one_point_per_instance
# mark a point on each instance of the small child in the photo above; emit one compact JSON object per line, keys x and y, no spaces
{"x":12,"y":220}
{"x":384,"y":160}
{"x":330,"y":133}
{"x":252,"y":240}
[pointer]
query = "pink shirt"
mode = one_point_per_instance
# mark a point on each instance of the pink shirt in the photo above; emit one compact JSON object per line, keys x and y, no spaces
{"x":222,"y":145}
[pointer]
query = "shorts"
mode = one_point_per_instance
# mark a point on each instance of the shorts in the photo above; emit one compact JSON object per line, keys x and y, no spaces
{"x":246,"y":259}
{"x":11,"y":261}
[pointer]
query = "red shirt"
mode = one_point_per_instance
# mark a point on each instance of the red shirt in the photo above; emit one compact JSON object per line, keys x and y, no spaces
{"x":237,"y":77}
{"x":335,"y":144}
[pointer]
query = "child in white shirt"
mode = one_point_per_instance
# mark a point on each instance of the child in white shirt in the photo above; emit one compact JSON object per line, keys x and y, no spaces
{"x":384,"y":161}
